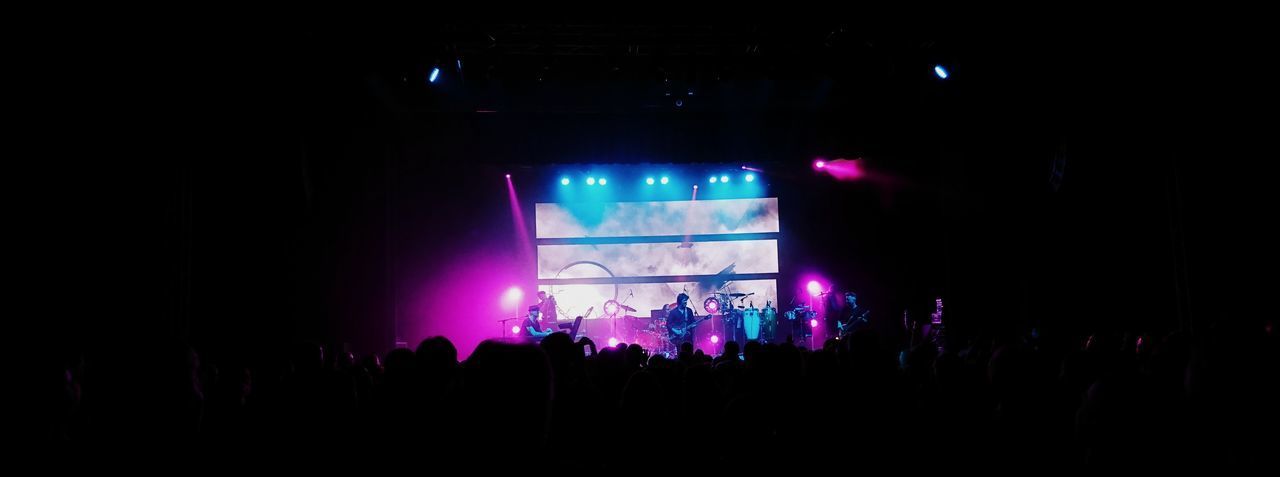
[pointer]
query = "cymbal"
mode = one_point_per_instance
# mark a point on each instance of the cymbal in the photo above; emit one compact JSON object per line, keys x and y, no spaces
{"x":736,"y":295}
{"x":627,"y":308}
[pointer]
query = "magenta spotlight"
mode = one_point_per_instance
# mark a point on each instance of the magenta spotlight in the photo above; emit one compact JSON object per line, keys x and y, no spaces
{"x":715,"y":339}
{"x":846,"y":169}
{"x":814,"y":288}
{"x":515,"y":330}
{"x":613,"y":342}
{"x":514,"y":294}
{"x":711,"y":305}
{"x":813,"y":323}
{"x":508,"y":176}
{"x":819,"y":164}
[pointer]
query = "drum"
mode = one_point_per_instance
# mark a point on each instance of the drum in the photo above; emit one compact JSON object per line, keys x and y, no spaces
{"x":649,"y":340}
{"x":751,"y":323}
{"x":768,"y":323}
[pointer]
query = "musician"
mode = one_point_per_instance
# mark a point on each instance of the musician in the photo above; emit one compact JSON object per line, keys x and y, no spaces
{"x":533,"y":327}
{"x":547,"y":307}
{"x":852,"y":317}
{"x":679,"y":317}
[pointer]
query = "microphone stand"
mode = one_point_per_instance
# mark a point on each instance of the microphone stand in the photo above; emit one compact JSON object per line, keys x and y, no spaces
{"x":504,"y":324}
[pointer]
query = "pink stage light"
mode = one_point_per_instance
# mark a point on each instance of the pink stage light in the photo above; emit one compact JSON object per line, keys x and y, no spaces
{"x":813,"y":323}
{"x":819,"y":164}
{"x":715,"y":339}
{"x":711,"y":305}
{"x":845,"y":169}
{"x":613,"y":342}
{"x":515,"y":294}
{"x":515,"y":330}
{"x":517,"y":220}
{"x":814,"y":288}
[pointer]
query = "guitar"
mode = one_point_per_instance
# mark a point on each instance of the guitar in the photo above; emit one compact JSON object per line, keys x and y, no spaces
{"x":846,"y":329}
{"x":678,"y":332}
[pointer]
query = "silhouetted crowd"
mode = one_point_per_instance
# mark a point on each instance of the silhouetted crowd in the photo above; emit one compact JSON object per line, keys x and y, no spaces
{"x":990,"y":403}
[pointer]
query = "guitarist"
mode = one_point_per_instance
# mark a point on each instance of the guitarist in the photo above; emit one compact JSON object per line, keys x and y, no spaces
{"x":679,"y":318}
{"x":852,"y":317}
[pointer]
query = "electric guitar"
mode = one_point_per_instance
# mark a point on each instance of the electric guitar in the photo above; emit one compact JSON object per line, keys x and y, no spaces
{"x":675,"y":333}
{"x":846,"y":329}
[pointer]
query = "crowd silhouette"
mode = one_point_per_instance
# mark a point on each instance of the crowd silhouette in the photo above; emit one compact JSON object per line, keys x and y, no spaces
{"x":1171,"y":400}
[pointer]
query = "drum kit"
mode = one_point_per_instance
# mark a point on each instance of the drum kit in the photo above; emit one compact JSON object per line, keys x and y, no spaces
{"x":652,"y":335}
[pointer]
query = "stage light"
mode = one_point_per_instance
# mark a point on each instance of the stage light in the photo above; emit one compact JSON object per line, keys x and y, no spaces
{"x":711,"y":305}
{"x":814,"y":287}
{"x":940,"y":71}
{"x":664,"y":180}
{"x":435,"y":73}
{"x":715,"y":339}
{"x":749,"y":177}
{"x":508,"y":176}
{"x":603,"y":181}
{"x":591,"y":181}
{"x":813,"y":323}
{"x":564,"y":181}
{"x":613,"y":342}
{"x":650,"y":181}
{"x":819,"y":163}
{"x":514,"y":294}
{"x":515,"y":330}
{"x":712,"y":179}
{"x":611,"y":308}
